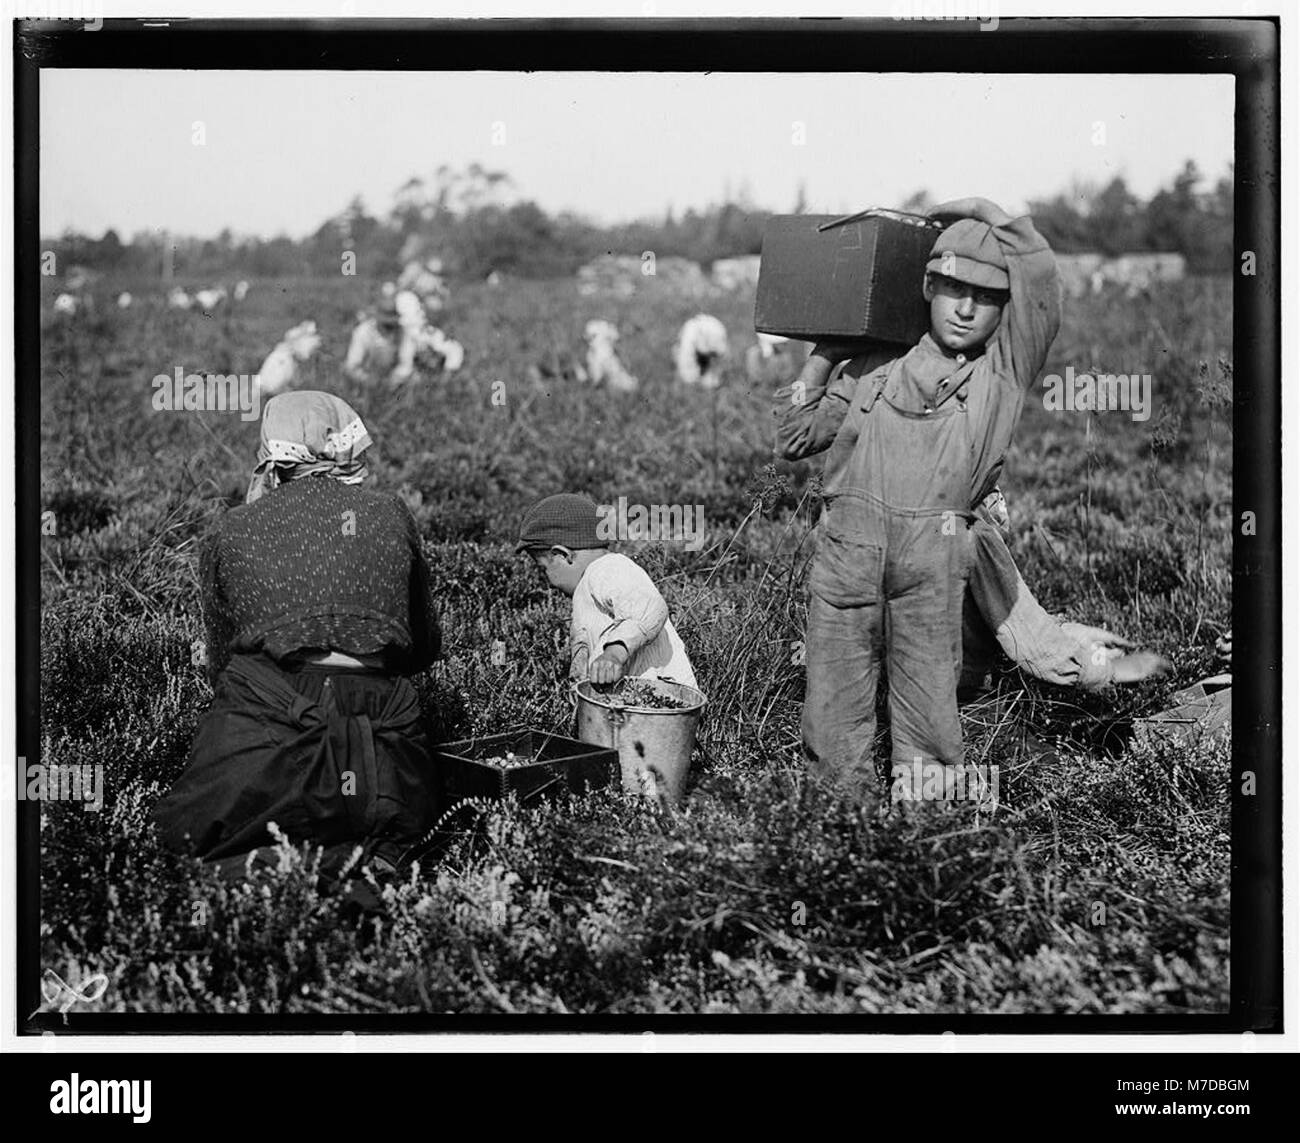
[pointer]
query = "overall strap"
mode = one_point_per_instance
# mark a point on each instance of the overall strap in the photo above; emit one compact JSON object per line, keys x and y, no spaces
{"x":882,"y":383}
{"x":959,"y":380}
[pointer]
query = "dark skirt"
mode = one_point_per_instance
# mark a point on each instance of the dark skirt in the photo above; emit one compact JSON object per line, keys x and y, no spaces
{"x":329,"y":756}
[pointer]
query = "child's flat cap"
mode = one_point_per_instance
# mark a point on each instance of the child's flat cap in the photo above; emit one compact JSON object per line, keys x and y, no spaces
{"x":968,"y":252}
{"x":567,"y":520}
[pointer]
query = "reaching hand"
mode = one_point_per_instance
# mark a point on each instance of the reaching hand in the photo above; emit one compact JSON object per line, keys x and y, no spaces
{"x":1097,"y":638}
{"x":1138,"y":666}
{"x":1126,"y":666}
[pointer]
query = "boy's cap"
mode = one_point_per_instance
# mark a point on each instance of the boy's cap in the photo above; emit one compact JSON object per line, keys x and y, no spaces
{"x":566,"y":519}
{"x":968,"y":252}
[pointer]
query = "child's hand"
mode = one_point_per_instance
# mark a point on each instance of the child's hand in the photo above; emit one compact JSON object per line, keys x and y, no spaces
{"x":608,"y":667}
{"x":1097,"y":637}
{"x":1137,"y":666}
{"x":835,"y":351}
{"x":980,"y":209}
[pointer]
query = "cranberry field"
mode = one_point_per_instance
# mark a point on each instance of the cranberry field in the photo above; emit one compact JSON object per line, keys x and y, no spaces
{"x":1099,"y":885}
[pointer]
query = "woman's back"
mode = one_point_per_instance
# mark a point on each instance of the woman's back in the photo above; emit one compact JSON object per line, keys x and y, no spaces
{"x":318,"y":565}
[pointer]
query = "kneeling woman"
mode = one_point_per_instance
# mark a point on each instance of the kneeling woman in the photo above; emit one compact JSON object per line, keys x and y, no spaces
{"x":317,"y":606}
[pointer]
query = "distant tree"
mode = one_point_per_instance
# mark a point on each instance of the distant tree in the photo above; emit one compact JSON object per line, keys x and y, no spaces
{"x":1114,"y":220}
{"x":1199,"y":225}
{"x":1172,"y":214}
{"x":1061,"y":223}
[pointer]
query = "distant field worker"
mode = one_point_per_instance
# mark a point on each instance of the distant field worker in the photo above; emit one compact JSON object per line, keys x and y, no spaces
{"x":317,"y":605}
{"x":915,"y":444}
{"x":619,"y":626}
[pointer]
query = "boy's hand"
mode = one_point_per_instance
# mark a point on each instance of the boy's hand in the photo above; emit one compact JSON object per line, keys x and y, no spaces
{"x":980,"y":209}
{"x":836,"y":351}
{"x":608,"y":666}
{"x":1094,"y":637}
{"x":1139,"y":665}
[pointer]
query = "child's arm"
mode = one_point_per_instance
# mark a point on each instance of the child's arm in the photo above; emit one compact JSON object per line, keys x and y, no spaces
{"x":624,"y":591}
{"x":1031,"y":638}
{"x":810,"y":411}
{"x":1031,"y":318}
{"x":1065,"y":654}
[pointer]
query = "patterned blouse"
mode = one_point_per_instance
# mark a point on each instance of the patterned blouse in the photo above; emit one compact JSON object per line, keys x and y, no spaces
{"x":318,"y":565}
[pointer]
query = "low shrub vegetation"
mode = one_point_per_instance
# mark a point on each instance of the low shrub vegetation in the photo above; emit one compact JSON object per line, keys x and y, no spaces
{"x":1099,"y":885}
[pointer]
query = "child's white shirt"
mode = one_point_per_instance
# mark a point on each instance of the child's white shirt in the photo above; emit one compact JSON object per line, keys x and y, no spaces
{"x":616,"y":602}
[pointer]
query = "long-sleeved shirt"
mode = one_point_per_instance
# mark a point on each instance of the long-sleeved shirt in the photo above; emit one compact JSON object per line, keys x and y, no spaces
{"x":616,"y":602}
{"x":318,"y":565}
{"x":831,"y":416}
{"x":1000,"y":604}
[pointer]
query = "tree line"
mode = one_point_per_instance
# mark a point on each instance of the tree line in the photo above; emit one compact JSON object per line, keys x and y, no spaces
{"x":475,"y":221}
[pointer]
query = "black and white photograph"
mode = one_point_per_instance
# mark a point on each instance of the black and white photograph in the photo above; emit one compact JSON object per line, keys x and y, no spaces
{"x":523,"y":536}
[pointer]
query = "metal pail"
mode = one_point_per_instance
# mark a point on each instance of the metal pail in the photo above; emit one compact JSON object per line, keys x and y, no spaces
{"x":654,"y":746}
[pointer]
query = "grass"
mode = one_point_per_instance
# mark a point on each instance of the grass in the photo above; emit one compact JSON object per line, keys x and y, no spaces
{"x":1100,"y":886}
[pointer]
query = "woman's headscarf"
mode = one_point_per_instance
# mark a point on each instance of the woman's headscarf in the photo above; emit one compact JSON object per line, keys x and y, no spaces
{"x":308,"y":433}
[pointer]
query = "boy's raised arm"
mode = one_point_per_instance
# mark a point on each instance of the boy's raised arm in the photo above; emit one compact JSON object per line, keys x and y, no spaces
{"x":1032,"y":316}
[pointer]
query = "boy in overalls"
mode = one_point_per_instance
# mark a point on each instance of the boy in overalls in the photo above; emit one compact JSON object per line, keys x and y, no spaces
{"x":916,"y":443}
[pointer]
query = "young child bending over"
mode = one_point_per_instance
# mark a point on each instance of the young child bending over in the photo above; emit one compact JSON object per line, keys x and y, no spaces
{"x":619,"y":626}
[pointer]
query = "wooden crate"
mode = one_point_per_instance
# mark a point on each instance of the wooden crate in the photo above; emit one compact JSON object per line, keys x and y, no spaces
{"x":861,"y":279}
{"x":1203,"y":710}
{"x":562,"y":765}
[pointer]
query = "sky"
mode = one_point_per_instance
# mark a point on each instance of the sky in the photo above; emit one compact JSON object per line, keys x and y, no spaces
{"x":281,"y":152}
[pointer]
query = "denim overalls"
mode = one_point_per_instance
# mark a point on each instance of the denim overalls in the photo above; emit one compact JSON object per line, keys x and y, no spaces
{"x":890,"y":570}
